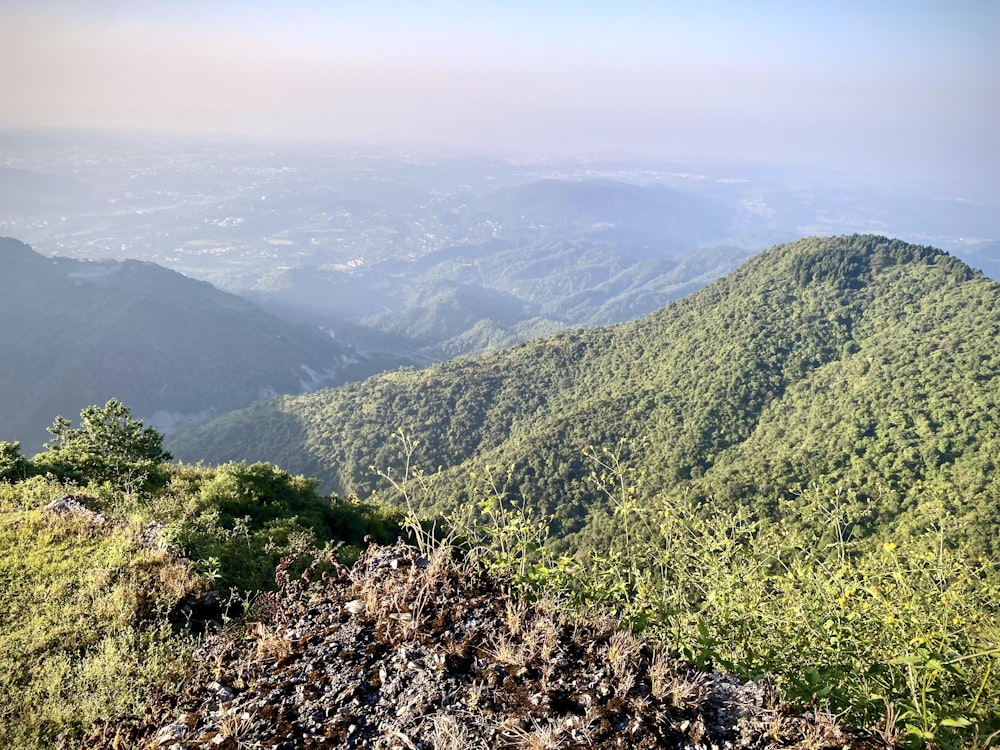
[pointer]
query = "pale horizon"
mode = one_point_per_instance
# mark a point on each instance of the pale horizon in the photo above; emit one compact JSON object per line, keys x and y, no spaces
{"x":903,"y":87}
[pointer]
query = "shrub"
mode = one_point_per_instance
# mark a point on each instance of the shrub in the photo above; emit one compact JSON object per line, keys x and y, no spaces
{"x":109,"y":447}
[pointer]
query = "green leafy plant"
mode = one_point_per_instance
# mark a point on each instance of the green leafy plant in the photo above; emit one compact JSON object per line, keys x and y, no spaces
{"x":410,"y":486}
{"x":109,"y":447}
{"x":897,"y":630}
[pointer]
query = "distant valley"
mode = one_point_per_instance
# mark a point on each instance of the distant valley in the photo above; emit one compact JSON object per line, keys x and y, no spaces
{"x":177,"y":350}
{"x":431,"y":255}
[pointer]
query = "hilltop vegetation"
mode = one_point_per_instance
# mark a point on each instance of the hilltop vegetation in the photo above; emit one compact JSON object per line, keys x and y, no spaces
{"x":94,"y":644}
{"x":84,"y":633}
{"x":101,"y":595}
{"x":790,"y":473}
{"x":857,"y":363}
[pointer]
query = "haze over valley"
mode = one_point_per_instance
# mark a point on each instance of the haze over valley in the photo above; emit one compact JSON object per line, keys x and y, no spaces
{"x":464,"y":179}
{"x":427,"y":246}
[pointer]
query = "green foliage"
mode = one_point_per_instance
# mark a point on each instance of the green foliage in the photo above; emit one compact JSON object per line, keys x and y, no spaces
{"x":13,"y":466}
{"x":862,"y":361}
{"x":898,"y":634}
{"x":83,"y":630}
{"x":109,"y":447}
{"x":238,"y":520}
{"x":815,"y":498}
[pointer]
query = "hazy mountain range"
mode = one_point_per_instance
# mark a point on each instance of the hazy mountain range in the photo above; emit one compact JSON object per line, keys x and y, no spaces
{"x":436,"y":254}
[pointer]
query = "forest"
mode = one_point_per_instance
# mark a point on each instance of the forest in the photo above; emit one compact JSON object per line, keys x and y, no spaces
{"x":859,"y":363}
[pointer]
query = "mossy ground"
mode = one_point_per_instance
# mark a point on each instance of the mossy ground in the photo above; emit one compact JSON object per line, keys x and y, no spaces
{"x":84,"y":634}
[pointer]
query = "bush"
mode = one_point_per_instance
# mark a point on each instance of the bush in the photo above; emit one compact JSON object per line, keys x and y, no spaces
{"x":108,"y":448}
{"x":13,"y":466}
{"x":899,"y":635}
{"x":238,"y":520}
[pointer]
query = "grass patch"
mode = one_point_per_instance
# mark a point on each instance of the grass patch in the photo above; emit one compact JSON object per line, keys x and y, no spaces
{"x":83,"y":629}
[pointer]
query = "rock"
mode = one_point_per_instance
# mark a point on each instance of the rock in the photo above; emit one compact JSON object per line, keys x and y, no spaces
{"x":170,"y":734}
{"x":355,"y":606}
{"x":366,"y":682}
{"x":223,"y":693}
{"x":79,"y":506}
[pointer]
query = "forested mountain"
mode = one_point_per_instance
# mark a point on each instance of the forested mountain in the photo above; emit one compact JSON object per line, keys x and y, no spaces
{"x":789,"y":474}
{"x":860,"y":362}
{"x":180,"y":351}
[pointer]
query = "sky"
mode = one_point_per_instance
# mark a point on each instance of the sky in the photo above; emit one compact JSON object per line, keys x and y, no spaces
{"x":907,"y":86}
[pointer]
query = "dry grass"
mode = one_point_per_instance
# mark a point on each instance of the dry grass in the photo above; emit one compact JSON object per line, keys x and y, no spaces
{"x":515,"y":616}
{"x":622,"y":651}
{"x":450,"y":733}
{"x":545,"y":631}
{"x":679,"y":687}
{"x":823,"y":731}
{"x":538,"y":736}
{"x":237,"y":727}
{"x":510,"y":651}
{"x":268,"y":643}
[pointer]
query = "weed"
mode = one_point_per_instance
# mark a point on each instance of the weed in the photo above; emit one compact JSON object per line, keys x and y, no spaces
{"x":474,"y":695}
{"x":622,"y":650}
{"x":409,"y":485}
{"x":537,"y":736}
{"x":237,"y":726}
{"x":451,"y":734}
{"x":510,"y":651}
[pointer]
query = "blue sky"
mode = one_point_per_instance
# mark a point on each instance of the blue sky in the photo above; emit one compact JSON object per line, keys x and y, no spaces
{"x":910,"y":87}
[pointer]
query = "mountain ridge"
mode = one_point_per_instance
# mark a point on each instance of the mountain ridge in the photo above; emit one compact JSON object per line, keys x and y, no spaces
{"x":695,"y":378}
{"x":177,"y":349}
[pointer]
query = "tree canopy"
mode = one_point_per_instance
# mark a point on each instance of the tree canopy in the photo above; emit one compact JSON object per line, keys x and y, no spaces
{"x":109,"y":446}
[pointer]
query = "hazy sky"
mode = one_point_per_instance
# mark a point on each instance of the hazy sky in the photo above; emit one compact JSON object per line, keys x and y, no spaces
{"x":902,"y":85}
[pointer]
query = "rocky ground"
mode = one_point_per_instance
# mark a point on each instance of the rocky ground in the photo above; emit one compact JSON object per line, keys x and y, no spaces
{"x":405,"y":652}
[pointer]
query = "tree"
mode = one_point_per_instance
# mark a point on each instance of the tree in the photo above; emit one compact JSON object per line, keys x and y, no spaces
{"x":12,"y":464}
{"x":109,"y":446}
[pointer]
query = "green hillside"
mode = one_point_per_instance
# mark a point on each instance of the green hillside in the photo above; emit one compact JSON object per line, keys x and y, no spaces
{"x":787,"y":476}
{"x":114,"y":563}
{"x":859,"y":362}
{"x":178,"y":350}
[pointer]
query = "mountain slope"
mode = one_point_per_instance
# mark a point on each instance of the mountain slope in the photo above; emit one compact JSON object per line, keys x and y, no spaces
{"x":859,"y":361}
{"x":177,"y":350}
